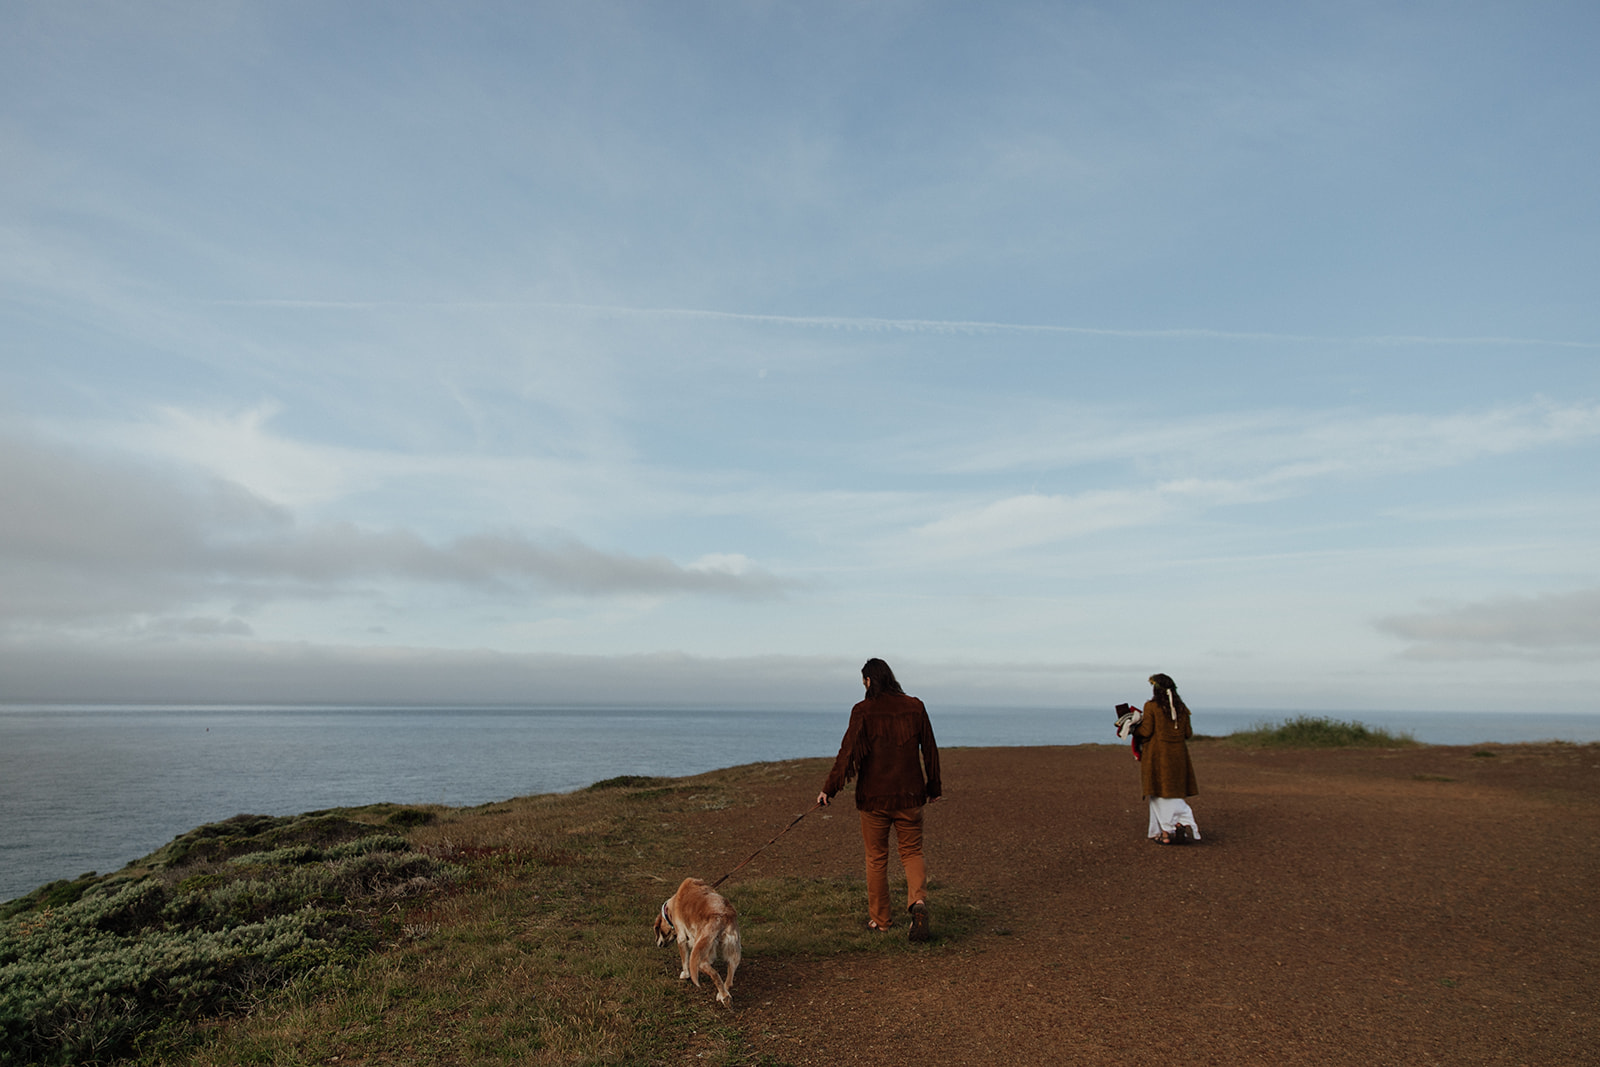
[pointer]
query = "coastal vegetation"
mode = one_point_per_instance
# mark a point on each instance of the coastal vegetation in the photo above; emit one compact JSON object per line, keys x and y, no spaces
{"x":515,"y":932}
{"x":1307,"y":731}
{"x":103,"y":967}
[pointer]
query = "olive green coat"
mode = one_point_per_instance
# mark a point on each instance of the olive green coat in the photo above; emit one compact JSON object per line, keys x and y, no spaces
{"x":1164,"y":767}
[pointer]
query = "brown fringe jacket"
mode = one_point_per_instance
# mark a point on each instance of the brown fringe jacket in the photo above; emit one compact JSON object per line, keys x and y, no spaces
{"x":1164,"y":767}
{"x":880,"y":751}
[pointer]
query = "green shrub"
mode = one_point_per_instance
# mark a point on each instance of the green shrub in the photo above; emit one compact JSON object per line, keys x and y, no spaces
{"x":51,"y":895}
{"x":74,"y":992}
{"x":1307,"y":731}
{"x":373,"y":843}
{"x":630,"y":781}
{"x":101,"y":967}
{"x":245,"y":834}
{"x":278,"y":857}
{"x":411,"y":817}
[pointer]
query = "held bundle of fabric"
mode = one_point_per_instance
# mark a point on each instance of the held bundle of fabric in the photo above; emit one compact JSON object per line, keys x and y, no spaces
{"x":1127,"y":718}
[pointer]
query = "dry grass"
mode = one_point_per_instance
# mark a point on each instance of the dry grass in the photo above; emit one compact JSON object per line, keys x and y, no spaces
{"x":542,"y":954}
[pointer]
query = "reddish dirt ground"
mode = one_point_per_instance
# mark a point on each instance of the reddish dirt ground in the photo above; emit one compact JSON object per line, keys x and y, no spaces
{"x":1371,"y":907}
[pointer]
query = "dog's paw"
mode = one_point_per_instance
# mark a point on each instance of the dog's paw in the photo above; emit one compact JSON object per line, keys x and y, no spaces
{"x":725,"y":999}
{"x":683,"y":974}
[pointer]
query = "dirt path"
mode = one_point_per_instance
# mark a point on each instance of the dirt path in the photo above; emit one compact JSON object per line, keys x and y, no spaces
{"x":1346,"y":907}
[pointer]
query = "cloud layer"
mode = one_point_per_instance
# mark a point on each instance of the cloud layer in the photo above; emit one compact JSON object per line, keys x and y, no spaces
{"x":1557,"y":626}
{"x":95,"y":539}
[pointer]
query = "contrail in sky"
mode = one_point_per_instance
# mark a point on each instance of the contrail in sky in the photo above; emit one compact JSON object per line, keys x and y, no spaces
{"x":939,"y":326}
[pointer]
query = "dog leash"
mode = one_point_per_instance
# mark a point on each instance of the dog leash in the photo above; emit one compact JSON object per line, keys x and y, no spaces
{"x":757,"y":852}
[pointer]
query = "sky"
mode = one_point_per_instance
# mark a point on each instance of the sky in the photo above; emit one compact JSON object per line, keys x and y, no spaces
{"x":696,"y":352}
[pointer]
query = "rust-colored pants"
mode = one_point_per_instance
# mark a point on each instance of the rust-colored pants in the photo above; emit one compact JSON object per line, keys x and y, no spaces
{"x":875,"y":835}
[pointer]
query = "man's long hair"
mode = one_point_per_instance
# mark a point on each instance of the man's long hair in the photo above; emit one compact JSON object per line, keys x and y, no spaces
{"x":880,"y":679}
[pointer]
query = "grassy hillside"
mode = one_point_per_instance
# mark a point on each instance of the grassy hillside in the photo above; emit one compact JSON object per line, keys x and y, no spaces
{"x":509,"y":933}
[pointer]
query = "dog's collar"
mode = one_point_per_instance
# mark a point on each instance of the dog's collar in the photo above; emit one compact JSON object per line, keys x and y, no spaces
{"x":664,"y":917}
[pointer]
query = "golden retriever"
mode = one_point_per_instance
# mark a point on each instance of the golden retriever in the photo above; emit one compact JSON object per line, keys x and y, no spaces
{"x":705,"y":926}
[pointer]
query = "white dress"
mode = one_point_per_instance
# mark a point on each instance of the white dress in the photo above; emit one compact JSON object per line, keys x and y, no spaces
{"x":1167,"y":813}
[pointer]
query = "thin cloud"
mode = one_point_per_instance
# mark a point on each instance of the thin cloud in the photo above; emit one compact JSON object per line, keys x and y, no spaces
{"x":1292,"y":455}
{"x":1346,"y":441}
{"x":872,"y":324}
{"x":1550,"y":625}
{"x":1033,"y":519}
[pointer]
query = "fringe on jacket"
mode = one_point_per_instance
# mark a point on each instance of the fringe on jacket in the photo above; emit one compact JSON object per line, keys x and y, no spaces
{"x":889,"y":750}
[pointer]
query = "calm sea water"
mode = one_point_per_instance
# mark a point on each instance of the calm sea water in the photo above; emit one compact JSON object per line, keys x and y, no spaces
{"x":91,"y":788}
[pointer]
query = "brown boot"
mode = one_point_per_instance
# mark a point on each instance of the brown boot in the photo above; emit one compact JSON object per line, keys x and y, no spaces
{"x":919,"y":922}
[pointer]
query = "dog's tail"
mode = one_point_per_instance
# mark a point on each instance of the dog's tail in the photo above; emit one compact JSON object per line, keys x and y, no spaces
{"x":731,"y":955}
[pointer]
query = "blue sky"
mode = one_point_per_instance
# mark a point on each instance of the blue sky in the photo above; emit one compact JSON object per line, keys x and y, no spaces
{"x":617,"y":352}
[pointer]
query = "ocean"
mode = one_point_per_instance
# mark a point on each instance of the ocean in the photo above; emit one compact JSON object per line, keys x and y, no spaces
{"x":92,"y":788}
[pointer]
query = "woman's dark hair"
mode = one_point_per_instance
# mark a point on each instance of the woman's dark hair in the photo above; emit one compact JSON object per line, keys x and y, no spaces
{"x":880,"y":679}
{"x":1162,"y":685}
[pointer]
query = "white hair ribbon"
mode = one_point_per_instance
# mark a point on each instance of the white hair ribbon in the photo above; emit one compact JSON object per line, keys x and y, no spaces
{"x":1172,"y":706}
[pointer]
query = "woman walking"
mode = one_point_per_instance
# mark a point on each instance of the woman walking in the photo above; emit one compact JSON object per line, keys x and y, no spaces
{"x":1165,"y":772}
{"x":889,"y":750}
